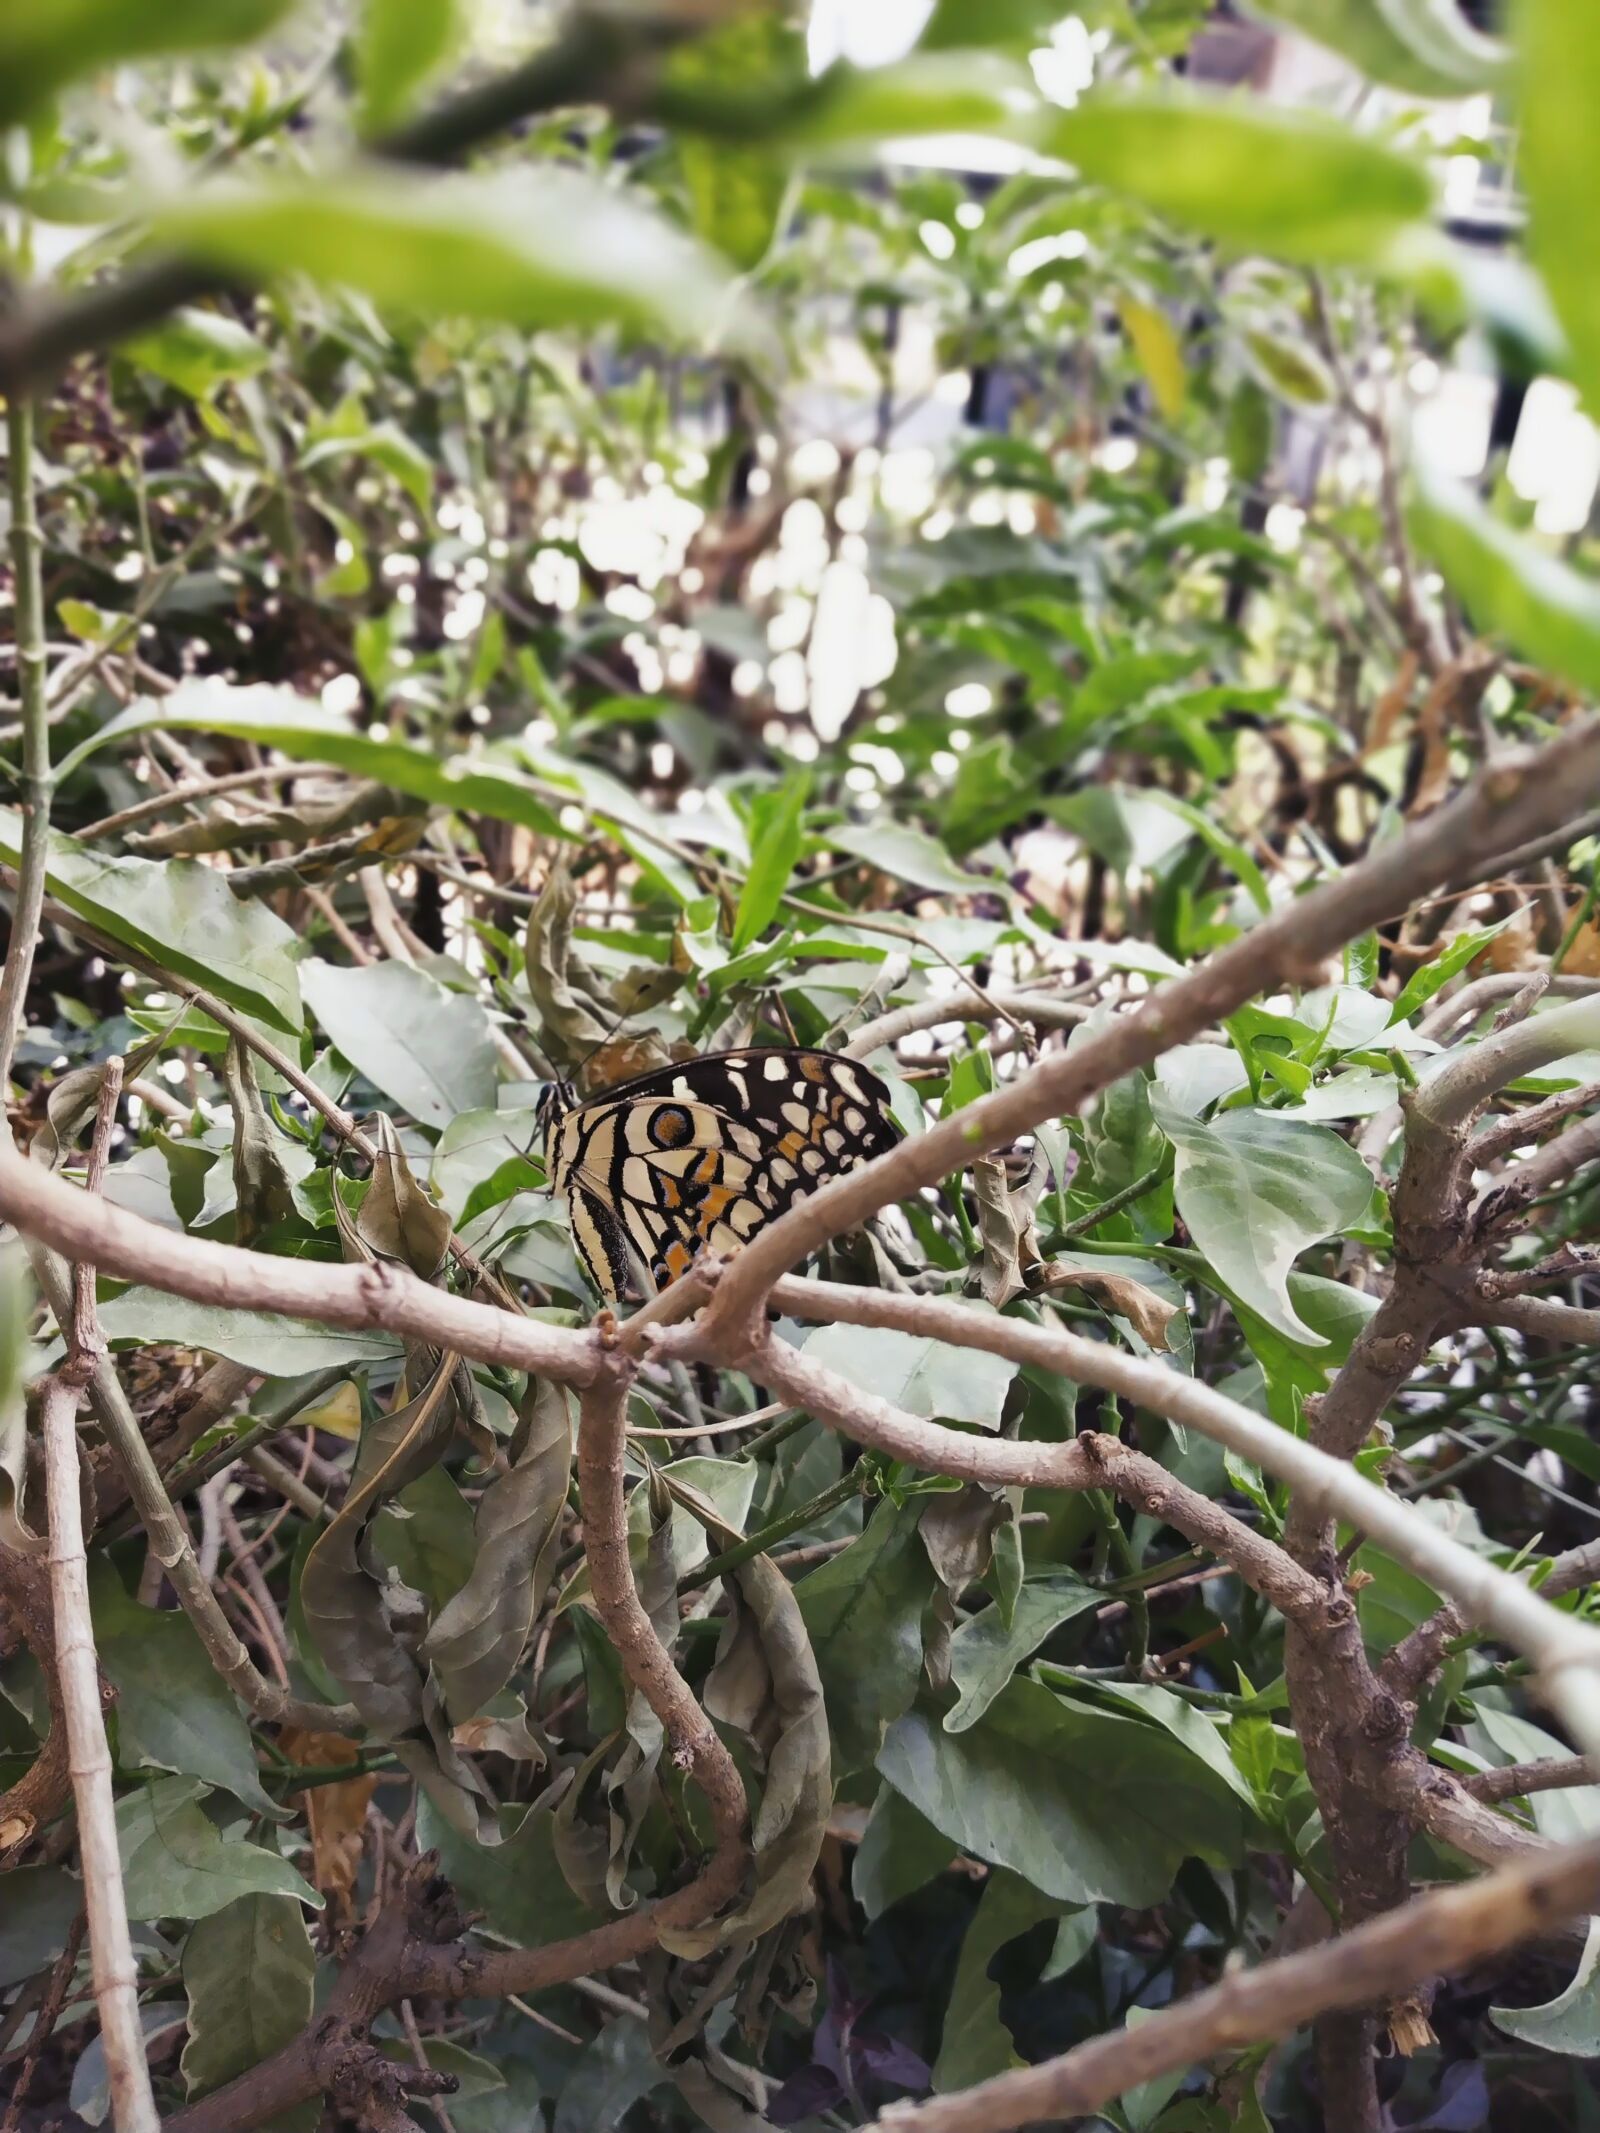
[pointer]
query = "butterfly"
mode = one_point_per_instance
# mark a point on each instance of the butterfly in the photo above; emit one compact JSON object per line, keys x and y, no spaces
{"x":705,"y":1153}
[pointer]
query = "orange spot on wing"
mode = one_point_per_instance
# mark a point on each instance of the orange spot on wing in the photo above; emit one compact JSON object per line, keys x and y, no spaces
{"x":677,"y":1259}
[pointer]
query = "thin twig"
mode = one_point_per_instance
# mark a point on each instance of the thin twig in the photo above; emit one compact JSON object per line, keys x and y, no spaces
{"x":1447,"y":1931}
{"x":116,"y":1980}
{"x":27,"y":547}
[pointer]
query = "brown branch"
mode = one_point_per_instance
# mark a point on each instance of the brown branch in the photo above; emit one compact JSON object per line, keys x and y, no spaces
{"x":1090,"y":1461}
{"x":415,"y":1950}
{"x":1546,"y":1318}
{"x":1487,"y":1594}
{"x":169,"y":1536}
{"x":44,"y":1787}
{"x":1442,"y":1932}
{"x":1521,"y":795}
{"x":1516,"y":1781}
{"x":1521,"y":1128}
{"x":116,"y":1981}
{"x":1043,"y":1009}
{"x":376,"y":1297}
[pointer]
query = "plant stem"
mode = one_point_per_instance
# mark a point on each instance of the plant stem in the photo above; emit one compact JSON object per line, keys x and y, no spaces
{"x":26,"y":549}
{"x":1114,"y":1206}
{"x":758,"y":1543}
{"x":116,"y":1982}
{"x":1580,"y":917}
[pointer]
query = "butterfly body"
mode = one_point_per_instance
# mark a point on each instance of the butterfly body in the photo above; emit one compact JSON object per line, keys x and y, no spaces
{"x":704,"y":1154}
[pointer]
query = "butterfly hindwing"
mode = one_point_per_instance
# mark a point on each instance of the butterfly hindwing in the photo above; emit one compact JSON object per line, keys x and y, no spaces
{"x":706,"y":1153}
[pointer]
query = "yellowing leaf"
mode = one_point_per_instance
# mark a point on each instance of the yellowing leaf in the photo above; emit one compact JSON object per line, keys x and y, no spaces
{"x":1160,"y":356}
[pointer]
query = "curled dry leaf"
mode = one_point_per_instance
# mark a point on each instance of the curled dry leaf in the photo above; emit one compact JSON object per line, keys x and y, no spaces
{"x":764,"y":1683}
{"x":336,"y":1814}
{"x":1011,"y":1256}
{"x":364,"y":1628}
{"x":263,"y":1188}
{"x":568,"y":997}
{"x":958,"y":1530}
{"x":1149,"y":1314}
{"x":479,"y":1634}
{"x":398,"y":1220}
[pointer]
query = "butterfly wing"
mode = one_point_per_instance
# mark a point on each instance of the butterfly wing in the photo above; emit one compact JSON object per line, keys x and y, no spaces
{"x":707,"y":1153}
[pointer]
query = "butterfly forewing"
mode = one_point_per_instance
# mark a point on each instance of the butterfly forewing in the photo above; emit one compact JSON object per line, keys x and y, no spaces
{"x":707,"y":1153}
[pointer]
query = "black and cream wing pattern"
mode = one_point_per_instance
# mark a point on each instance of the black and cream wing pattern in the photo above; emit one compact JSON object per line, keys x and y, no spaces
{"x":705,"y":1153}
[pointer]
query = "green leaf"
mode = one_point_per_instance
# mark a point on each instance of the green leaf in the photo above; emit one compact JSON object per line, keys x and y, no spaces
{"x":1126,"y":829}
{"x":248,"y":1971}
{"x":1511,"y":587}
{"x":926,"y":1377}
{"x":425,"y":1537}
{"x":1257,"y":1190}
{"x":900,"y":1850}
{"x":477,"y":1639}
{"x":401,"y":44}
{"x":177,"y":1864}
{"x":180,"y":915}
{"x":1558,"y":160}
{"x":978,"y":22}
{"x":174,"y":1712}
{"x":257,"y":1340}
{"x":35,"y":1919}
{"x":863,"y":1612}
{"x":517,"y":1884}
{"x":1148,"y":1700}
{"x":1228,"y":849}
{"x":975,"y":2044}
{"x":197,"y":351}
{"x":737,"y":190}
{"x":427,"y":1048}
{"x":1433,"y":976}
{"x":1089,"y":1806}
{"x":776,"y":836}
{"x":930,"y":92}
{"x":299,"y":728}
{"x":907,"y":853}
{"x":1336,"y":197}
{"x":1159,"y":353}
{"x":1296,"y":372}
{"x":44,"y":44}
{"x":1423,"y":47}
{"x":535,"y":246}
{"x":1570,"y":2022}
{"x":16,"y":1308}
{"x":616,"y":2067}
{"x":985,"y":1653}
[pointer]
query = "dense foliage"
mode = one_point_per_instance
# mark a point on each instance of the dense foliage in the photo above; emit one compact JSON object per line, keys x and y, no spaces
{"x":538,"y":550}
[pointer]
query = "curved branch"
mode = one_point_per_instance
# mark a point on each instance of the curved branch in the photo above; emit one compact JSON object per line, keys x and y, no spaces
{"x":1519,"y":796}
{"x":1044,"y":1009}
{"x":366,"y":1298}
{"x":1090,"y":1461}
{"x":592,"y":58}
{"x":44,"y":1787}
{"x":1446,"y":1931}
{"x":1545,"y":1317}
{"x":415,"y":1949}
{"x":1565,"y":1650}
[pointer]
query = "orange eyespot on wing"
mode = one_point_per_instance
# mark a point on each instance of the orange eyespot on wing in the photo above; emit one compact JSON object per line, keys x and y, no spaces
{"x":706,"y":1153}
